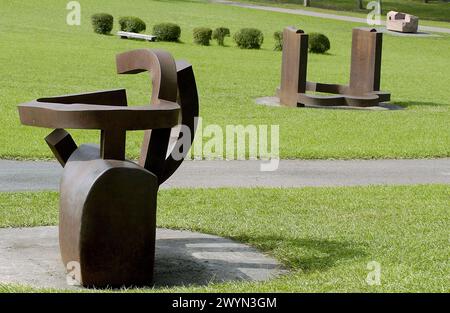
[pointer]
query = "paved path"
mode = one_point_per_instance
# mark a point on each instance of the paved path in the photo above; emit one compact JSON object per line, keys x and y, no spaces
{"x":320,"y":15}
{"x":20,"y":176}
{"x":30,"y":256}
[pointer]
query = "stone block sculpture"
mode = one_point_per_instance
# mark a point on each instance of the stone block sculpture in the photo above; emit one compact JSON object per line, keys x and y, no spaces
{"x":107,"y":203}
{"x":402,"y":22}
{"x":364,"y":87}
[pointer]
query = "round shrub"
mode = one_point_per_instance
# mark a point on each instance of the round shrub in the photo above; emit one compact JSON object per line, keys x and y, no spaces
{"x":102,"y":23}
{"x":318,"y":43}
{"x":249,"y":38}
{"x":219,"y":34}
{"x":132,"y":24}
{"x":202,"y":36}
{"x":278,"y":36}
{"x":167,"y":32}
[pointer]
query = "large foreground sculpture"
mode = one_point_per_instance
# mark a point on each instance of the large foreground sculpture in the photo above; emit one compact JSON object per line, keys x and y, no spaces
{"x":363,"y":89}
{"x":107,"y":203}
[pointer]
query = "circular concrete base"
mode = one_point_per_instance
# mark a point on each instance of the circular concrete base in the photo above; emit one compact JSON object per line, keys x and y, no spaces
{"x":275,"y":102}
{"x":30,"y":256}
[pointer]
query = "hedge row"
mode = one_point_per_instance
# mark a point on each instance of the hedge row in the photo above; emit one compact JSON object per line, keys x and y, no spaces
{"x":167,"y":32}
{"x":246,"y":38}
{"x":252,"y":38}
{"x":103,"y":24}
{"x":317,"y":43}
{"x":132,"y":24}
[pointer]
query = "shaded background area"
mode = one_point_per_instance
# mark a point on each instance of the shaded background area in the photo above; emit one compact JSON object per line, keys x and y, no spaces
{"x":437,"y":10}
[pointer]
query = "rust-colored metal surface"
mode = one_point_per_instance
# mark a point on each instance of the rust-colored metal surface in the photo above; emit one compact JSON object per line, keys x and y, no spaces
{"x":365,"y":68}
{"x":365,"y":72}
{"x":107,"y":203}
{"x":294,"y":66}
{"x":107,"y":220}
{"x":188,"y":100}
{"x":165,"y":87}
{"x":61,"y":144}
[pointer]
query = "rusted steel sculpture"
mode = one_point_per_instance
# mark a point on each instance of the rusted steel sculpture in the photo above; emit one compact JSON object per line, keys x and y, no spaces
{"x":364,"y":87}
{"x":107,"y":203}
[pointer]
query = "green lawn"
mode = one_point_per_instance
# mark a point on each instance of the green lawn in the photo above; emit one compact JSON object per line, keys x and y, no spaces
{"x":437,"y":10}
{"x":324,"y":236}
{"x":41,"y":56}
{"x":352,"y":12}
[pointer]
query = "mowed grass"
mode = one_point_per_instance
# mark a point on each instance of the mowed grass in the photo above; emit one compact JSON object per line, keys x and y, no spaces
{"x":324,"y":236}
{"x":437,"y":10}
{"x":40,"y":55}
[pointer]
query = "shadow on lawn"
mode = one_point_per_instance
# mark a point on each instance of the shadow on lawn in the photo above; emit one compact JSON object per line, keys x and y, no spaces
{"x":203,"y":260}
{"x":406,"y":104}
{"x":308,"y":254}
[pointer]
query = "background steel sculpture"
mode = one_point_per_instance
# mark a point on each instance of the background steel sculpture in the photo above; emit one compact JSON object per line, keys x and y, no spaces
{"x":402,"y":22}
{"x":364,"y":87}
{"x":107,"y":203}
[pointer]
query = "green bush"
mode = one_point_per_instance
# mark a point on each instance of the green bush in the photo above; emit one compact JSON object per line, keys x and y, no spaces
{"x":249,"y":38}
{"x":132,"y":24}
{"x":318,"y":43}
{"x":278,"y":36}
{"x":167,"y":32}
{"x":202,"y":35}
{"x":102,"y":23}
{"x":219,"y":34}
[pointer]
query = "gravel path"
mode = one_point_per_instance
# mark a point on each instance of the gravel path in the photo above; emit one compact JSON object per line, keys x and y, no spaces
{"x":22,"y":176}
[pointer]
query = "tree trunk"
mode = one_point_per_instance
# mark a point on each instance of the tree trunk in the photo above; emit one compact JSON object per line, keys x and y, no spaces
{"x":360,"y":4}
{"x":306,"y":3}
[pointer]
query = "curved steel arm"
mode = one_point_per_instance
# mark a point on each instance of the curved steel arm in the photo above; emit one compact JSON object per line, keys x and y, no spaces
{"x":161,"y":66}
{"x":170,"y":81}
{"x":188,"y":101}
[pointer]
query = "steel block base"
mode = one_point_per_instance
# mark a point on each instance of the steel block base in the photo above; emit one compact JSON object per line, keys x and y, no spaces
{"x":107,"y":220}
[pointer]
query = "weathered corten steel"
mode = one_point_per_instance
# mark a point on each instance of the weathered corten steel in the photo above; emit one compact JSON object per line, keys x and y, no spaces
{"x":363,"y":89}
{"x":293,"y":68}
{"x":107,"y":203}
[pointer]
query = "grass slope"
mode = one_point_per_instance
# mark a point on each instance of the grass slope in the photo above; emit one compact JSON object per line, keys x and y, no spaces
{"x":41,"y":56}
{"x":325,"y":236}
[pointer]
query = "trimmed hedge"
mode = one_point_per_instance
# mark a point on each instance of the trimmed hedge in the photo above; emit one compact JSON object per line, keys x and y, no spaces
{"x":167,"y":32}
{"x":102,"y":23}
{"x":219,"y":34}
{"x":249,"y":38}
{"x":318,"y":43}
{"x":202,"y":35}
{"x":132,"y":24}
{"x":278,"y":36}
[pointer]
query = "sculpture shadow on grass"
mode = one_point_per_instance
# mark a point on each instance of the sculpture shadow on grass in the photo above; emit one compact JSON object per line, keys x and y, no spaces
{"x":406,"y":104}
{"x":309,"y":254}
{"x":30,"y":256}
{"x":202,"y":259}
